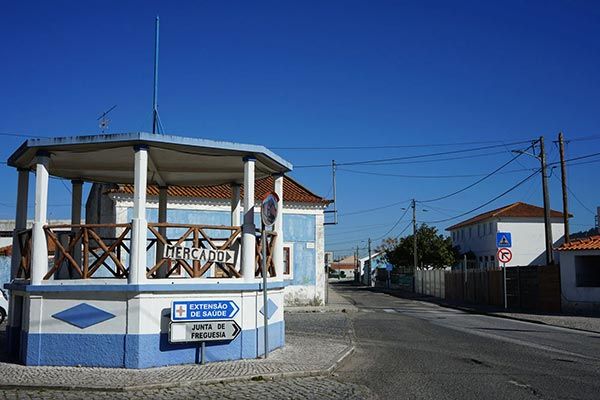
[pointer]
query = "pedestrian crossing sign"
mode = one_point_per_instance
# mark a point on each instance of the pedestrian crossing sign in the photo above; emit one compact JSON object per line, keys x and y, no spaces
{"x":503,"y":240}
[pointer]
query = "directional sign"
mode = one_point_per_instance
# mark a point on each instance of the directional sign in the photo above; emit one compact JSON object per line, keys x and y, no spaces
{"x":503,"y":240}
{"x":389,"y":267}
{"x":504,"y":255}
{"x":207,"y":331}
{"x":202,"y":310}
{"x":198,"y":254}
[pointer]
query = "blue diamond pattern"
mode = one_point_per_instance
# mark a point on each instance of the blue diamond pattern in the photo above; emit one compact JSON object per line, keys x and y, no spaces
{"x":271,"y":308}
{"x":83,"y":315}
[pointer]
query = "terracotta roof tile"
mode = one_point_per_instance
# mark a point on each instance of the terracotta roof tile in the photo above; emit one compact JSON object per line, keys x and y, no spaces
{"x":292,"y":191}
{"x":348,"y":262}
{"x":518,"y":210}
{"x":588,"y":243}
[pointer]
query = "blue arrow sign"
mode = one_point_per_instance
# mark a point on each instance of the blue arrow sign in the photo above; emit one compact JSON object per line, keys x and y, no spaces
{"x":503,"y":239}
{"x":202,"y":310}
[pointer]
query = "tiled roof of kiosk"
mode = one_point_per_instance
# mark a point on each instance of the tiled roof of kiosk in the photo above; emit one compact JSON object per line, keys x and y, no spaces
{"x":292,"y":191}
{"x":588,"y":243}
{"x":515,"y":210}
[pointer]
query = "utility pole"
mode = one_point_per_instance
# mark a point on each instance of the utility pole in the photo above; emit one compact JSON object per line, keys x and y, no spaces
{"x":414,"y":222}
{"x":547,"y":222}
{"x":563,"y":175}
{"x":357,"y":266}
{"x":369,"y":278}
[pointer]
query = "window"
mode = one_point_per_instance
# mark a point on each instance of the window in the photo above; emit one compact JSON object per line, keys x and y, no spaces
{"x":479,"y":230}
{"x":470,"y":231}
{"x":490,"y":227}
{"x":587,"y":271}
{"x":286,"y":260}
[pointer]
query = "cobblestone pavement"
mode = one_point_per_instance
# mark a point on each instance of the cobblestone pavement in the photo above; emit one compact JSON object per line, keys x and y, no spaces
{"x":302,"y":354}
{"x":297,"y":388}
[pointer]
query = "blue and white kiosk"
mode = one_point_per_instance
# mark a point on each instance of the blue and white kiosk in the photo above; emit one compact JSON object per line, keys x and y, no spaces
{"x":140,"y":294}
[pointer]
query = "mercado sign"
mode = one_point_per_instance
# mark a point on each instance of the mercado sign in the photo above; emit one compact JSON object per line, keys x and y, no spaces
{"x":203,"y":331}
{"x":198,"y":254}
{"x":200,"y":310}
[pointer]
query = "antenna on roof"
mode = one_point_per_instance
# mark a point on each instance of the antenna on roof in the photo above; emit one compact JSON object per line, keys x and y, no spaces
{"x":155,"y":118}
{"x":104,"y":120}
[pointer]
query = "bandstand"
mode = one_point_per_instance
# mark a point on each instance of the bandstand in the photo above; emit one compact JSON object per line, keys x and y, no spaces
{"x":103,"y":295}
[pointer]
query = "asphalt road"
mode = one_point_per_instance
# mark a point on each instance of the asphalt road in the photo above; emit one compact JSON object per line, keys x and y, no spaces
{"x":410,"y":349}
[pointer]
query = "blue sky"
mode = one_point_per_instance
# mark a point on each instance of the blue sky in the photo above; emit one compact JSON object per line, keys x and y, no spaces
{"x":324,"y":74}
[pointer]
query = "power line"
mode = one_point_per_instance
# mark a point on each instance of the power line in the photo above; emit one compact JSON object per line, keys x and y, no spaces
{"x":389,"y":146}
{"x":368,"y":210}
{"x":411,"y":176}
{"x":575,"y":197}
{"x":476,"y":182}
{"x":21,"y":135}
{"x":394,"y":226}
{"x":418,"y":156}
{"x":488,"y":202}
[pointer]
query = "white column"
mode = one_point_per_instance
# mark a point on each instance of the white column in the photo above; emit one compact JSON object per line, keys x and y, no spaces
{"x":162,"y":217}
{"x":278,"y":227}
{"x":39,"y":262}
{"x":139,"y":225}
{"x":236,"y":210}
{"x":236,"y":205}
{"x":20,"y":220}
{"x":76,"y":196}
{"x":248,"y":228}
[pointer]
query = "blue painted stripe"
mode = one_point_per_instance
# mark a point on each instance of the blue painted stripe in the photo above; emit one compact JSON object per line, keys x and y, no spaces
{"x":145,"y":288}
{"x":140,"y":351}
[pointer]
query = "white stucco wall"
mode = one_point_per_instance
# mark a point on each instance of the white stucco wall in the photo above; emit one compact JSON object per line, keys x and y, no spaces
{"x":577,"y":298}
{"x":528,"y":239}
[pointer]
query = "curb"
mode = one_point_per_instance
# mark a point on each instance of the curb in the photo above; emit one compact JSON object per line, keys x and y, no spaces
{"x":343,"y":356}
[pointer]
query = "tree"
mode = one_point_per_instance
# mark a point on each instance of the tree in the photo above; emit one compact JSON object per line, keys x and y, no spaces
{"x":433,"y":249}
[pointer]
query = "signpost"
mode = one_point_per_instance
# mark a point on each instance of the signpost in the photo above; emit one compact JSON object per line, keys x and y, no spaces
{"x":504,"y":256}
{"x":206,"y":331}
{"x":203,"y":321}
{"x":389,"y":267}
{"x":268,"y":213}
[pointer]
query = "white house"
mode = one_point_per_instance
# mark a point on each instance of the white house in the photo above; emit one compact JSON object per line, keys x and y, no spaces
{"x":374,"y":261}
{"x":303,"y":216}
{"x":580,"y":274}
{"x":524,"y":221}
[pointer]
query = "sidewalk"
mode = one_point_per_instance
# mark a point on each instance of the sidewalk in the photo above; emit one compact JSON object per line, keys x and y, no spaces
{"x":314,"y":347}
{"x":336,"y":303}
{"x":584,"y":323}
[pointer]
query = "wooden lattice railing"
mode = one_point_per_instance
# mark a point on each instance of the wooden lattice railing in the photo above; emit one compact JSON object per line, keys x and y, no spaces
{"x":24,"y":242}
{"x":270,"y":236}
{"x":85,"y":242}
{"x":197,"y":236}
{"x":81,"y":251}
